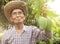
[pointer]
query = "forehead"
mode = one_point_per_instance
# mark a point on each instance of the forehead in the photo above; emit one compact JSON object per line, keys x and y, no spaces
{"x":17,"y":10}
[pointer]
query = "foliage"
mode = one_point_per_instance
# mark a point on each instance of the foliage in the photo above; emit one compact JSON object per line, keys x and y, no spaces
{"x":38,"y":15}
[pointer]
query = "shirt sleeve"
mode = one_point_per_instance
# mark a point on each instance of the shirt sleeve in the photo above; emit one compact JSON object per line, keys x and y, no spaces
{"x":5,"y":37}
{"x":4,"y":40}
{"x":42,"y":36}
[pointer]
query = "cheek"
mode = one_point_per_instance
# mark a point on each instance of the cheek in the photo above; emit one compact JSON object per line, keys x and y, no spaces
{"x":24,"y":18}
{"x":11,"y":19}
{"x":13,"y":16}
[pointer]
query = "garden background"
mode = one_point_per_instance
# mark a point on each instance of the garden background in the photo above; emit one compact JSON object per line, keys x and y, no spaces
{"x":40,"y":15}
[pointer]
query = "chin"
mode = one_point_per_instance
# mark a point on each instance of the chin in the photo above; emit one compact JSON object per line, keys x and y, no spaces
{"x":18,"y":22}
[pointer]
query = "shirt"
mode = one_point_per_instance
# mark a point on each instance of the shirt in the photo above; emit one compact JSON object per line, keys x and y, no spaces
{"x":30,"y":35}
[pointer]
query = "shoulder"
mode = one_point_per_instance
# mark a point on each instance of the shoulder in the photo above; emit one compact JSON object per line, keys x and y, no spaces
{"x":7,"y":34}
{"x":35,"y":31}
{"x":8,"y":31}
{"x":33,"y":28}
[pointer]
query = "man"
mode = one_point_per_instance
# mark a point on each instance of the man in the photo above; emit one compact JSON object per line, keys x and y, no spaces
{"x":16,"y":13}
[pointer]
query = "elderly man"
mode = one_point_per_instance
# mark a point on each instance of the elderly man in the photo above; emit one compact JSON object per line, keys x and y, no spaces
{"x":16,"y":13}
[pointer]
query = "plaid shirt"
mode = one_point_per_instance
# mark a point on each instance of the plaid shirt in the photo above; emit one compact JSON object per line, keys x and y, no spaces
{"x":30,"y":35}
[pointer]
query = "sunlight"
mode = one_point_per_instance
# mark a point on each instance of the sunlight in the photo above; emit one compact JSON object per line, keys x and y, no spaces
{"x":54,"y":6}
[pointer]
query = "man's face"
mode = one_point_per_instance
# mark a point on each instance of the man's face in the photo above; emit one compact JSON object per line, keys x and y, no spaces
{"x":17,"y":16}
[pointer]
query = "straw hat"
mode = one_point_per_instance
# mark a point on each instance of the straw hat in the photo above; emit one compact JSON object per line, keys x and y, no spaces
{"x":10,"y":6}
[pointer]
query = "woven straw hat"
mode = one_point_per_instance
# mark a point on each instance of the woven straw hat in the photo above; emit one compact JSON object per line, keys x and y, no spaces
{"x":10,"y":6}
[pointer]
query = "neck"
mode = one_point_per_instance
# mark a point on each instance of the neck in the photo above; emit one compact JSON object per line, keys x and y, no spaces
{"x":19,"y":26}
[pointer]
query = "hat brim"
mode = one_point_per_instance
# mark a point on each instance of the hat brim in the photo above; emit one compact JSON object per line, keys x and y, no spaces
{"x":14,"y":5}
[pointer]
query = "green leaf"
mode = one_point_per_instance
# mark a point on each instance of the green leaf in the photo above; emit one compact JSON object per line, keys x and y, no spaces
{"x":42,"y":22}
{"x":49,"y":24}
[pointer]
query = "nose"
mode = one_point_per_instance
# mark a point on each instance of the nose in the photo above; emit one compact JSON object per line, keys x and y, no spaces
{"x":17,"y":14}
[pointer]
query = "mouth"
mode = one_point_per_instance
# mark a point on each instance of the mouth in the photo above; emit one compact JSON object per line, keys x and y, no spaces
{"x":18,"y":18}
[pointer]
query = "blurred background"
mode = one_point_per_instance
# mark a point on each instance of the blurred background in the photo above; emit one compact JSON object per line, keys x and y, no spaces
{"x":45,"y":14}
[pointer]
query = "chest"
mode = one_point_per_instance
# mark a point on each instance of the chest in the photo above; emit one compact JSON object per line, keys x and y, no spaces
{"x":24,"y":38}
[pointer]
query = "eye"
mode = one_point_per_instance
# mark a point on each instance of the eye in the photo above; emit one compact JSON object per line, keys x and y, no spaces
{"x":20,"y":12}
{"x":14,"y":13}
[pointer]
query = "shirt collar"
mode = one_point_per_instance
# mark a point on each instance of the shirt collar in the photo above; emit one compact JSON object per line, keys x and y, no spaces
{"x":24,"y":28}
